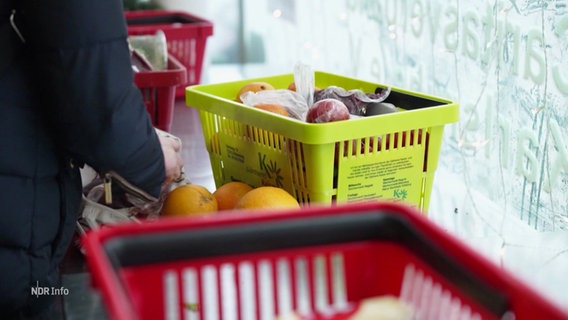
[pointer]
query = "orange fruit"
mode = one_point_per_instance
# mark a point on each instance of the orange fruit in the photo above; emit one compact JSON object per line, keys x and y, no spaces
{"x":254,"y":87}
{"x":275,"y":108}
{"x":189,"y":199}
{"x":230,"y":193}
{"x":267,"y":197}
{"x":292,"y":87}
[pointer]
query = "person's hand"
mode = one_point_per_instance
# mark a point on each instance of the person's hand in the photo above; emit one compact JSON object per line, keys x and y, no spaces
{"x":173,"y":162}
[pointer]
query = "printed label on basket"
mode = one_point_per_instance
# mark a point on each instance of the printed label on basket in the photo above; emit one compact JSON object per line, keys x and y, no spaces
{"x":255,"y":163}
{"x":395,"y":174}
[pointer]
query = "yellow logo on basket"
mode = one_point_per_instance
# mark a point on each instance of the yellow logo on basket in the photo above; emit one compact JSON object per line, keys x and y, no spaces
{"x":268,"y":171}
{"x":273,"y":176}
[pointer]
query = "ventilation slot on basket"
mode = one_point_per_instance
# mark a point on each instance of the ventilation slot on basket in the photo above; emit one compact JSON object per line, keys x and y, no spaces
{"x":261,"y":289}
{"x":430,"y":300}
{"x":186,"y":51}
{"x":149,"y":95}
{"x":390,"y":141}
{"x":256,"y":289}
{"x":357,"y":147}
{"x":211,"y":132}
{"x":298,"y":172}
{"x":403,"y":139}
{"x":297,"y":163}
{"x":216,"y":125}
{"x":265,"y":137}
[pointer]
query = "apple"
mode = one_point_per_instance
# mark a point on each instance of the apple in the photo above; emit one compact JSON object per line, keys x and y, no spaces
{"x":327,"y":110}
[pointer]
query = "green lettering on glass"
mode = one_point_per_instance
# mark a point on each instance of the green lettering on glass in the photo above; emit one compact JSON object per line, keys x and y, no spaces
{"x":505,"y":126}
{"x":488,"y":27}
{"x":526,"y":139}
{"x":561,"y":160}
{"x":390,"y":12}
{"x":451,"y":29}
{"x":561,"y":28}
{"x":514,"y":39}
{"x":470,"y":41}
{"x":417,"y":18}
{"x":433,"y":21}
{"x":489,"y":114}
{"x":371,"y":8}
{"x":534,"y":61}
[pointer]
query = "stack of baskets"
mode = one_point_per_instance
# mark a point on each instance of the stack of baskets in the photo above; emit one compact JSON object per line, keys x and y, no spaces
{"x":186,"y":37}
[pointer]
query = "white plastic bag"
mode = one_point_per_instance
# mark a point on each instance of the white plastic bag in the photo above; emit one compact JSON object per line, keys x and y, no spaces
{"x":293,"y":102}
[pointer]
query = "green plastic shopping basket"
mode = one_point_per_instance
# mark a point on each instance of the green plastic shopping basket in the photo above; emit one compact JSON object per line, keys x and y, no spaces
{"x":391,"y":156}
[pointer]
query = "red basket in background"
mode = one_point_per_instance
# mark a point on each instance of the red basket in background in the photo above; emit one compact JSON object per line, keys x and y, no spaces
{"x":158,"y":89}
{"x":186,"y":37}
{"x":255,"y":266}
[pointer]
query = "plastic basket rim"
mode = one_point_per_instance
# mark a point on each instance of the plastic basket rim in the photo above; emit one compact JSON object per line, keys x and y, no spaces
{"x":175,"y":75}
{"x":205,"y":26}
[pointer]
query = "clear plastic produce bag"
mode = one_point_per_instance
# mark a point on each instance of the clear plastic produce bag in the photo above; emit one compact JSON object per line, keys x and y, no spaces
{"x":293,"y":102}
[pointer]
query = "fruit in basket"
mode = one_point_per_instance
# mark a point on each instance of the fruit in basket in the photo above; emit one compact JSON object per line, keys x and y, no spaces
{"x":356,"y":100}
{"x":292,"y":87}
{"x":189,"y":199}
{"x":375,"y":109}
{"x":253,"y":87}
{"x":230,"y":193}
{"x":385,"y":307}
{"x":274,"y":108}
{"x":267,"y":197}
{"x":327,"y":110}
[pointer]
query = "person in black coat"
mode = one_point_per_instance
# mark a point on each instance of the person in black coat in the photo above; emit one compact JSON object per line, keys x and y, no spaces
{"x":67,"y":98}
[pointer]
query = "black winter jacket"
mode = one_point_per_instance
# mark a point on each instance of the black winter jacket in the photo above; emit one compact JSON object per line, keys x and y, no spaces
{"x":67,"y":98}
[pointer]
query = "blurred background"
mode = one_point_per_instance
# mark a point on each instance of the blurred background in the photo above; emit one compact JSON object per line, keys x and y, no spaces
{"x":502,"y":183}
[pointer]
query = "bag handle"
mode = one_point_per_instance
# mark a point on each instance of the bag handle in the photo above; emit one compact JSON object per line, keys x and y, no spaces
{"x":111,"y":176}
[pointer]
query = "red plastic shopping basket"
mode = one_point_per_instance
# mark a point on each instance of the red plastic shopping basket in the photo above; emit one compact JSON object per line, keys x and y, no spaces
{"x":158,"y":90}
{"x":186,"y":37}
{"x":256,"y":266}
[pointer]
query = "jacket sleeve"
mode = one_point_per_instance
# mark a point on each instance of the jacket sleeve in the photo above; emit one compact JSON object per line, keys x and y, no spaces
{"x":82,"y":60}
